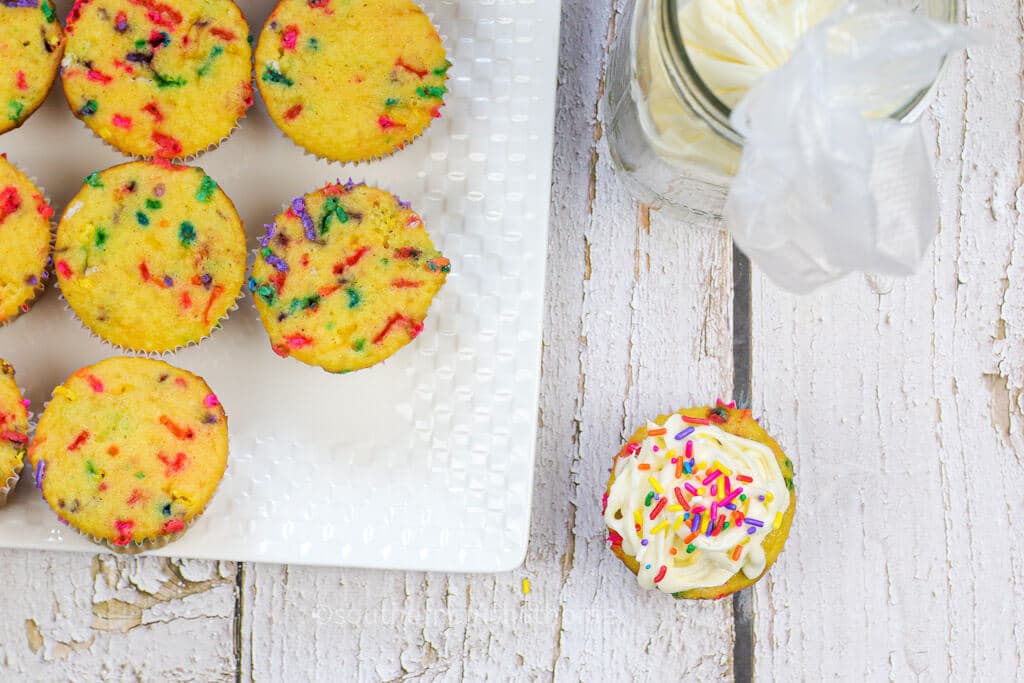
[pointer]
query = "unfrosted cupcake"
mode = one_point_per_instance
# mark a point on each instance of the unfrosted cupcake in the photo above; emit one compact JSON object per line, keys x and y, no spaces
{"x":150,"y":256}
{"x":31,"y":46}
{"x":13,"y":430}
{"x":24,"y":240}
{"x":157,"y":79}
{"x":344,"y":278}
{"x":700,"y":502}
{"x":130,"y":451}
{"x":351,"y":81}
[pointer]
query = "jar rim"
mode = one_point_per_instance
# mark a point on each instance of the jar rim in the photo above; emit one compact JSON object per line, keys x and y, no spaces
{"x":690,"y":86}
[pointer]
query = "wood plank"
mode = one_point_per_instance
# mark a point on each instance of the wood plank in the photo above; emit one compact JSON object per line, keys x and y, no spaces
{"x":900,"y":401}
{"x":78,"y":617}
{"x":606,"y":367}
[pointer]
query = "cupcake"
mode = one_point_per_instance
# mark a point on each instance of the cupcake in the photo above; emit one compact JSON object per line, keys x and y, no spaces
{"x":31,"y":45}
{"x":13,"y":430}
{"x":700,"y":502}
{"x":150,"y":256}
{"x":351,"y":81}
{"x":160,"y":79}
{"x":24,"y":240}
{"x":345,"y":276}
{"x":129,"y":451}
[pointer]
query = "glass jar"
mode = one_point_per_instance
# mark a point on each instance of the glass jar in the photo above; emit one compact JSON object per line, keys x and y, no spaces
{"x":668,"y":128}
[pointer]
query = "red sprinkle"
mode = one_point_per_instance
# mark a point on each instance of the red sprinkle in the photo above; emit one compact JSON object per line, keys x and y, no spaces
{"x":402,"y":64}
{"x":159,"y":13}
{"x":386,"y":122}
{"x":402,"y":283}
{"x":351,"y":260}
{"x":124,"y":531}
{"x":659,"y":507}
{"x":298,"y":341}
{"x":173,"y":526}
{"x":127,"y":68}
{"x":169,"y":147}
{"x":143,"y":271}
{"x":14,"y":437}
{"x":186,"y":301}
{"x":136,"y":497}
{"x":42,"y":208}
{"x":95,"y":383}
{"x":173,"y":428}
{"x":82,"y":437}
{"x":175,"y":465}
{"x":679,"y":497}
{"x":695,"y":420}
{"x":64,"y":269}
{"x":122,"y":121}
{"x":98,"y":77}
{"x":20,"y":81}
{"x":744,"y":478}
{"x":293,"y":112}
{"x":289,"y":36}
{"x":10,"y":201}
{"x":661,"y":574}
{"x":153,"y":110}
{"x":223,"y":33}
{"x":413,"y":327}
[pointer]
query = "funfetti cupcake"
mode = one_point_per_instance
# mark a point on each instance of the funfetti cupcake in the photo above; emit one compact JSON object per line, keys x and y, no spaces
{"x":25,"y":237}
{"x":158,"y":79}
{"x":31,"y":46}
{"x":700,"y":502}
{"x":13,"y":430}
{"x":351,"y":81}
{"x":150,"y":256}
{"x":344,"y":278}
{"x":130,"y":451}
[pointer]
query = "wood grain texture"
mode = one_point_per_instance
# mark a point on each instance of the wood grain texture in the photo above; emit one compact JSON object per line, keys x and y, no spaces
{"x":901,"y":403}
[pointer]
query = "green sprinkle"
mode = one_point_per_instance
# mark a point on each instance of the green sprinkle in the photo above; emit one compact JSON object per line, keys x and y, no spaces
{"x":48,"y":12}
{"x":648,"y":499}
{"x":139,"y":44}
{"x":167,"y":82}
{"x":89,"y":108}
{"x":332,"y":208}
{"x":353,"y":297}
{"x":93,"y":179}
{"x":266,"y":292}
{"x":142,"y":218}
{"x":385,"y":261}
{"x":725,"y":526}
{"x":101,"y":238}
{"x":441,"y":71}
{"x":789,"y":463}
{"x":265,"y":252}
{"x":330,"y":325}
{"x":16,"y":109}
{"x":359,"y":345}
{"x":154,"y":204}
{"x":690,"y":548}
{"x":789,"y":483}
{"x":206,"y":189}
{"x":187,"y":234}
{"x":272,"y":75}
{"x":391,"y":101}
{"x":140,"y":475}
{"x":314,"y":44}
{"x":205,"y":66}
{"x":431,"y":91}
{"x":166,"y":509}
{"x":743,"y":496}
{"x":90,"y":469}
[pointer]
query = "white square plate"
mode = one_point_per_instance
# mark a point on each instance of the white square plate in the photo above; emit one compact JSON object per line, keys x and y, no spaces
{"x":424,"y":462}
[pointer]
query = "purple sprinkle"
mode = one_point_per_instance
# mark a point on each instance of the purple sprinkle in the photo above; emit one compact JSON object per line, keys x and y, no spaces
{"x":121,"y":24}
{"x":731,"y":506}
{"x":21,"y":3}
{"x":754,"y":522}
{"x":657,"y":497}
{"x":751,"y":530}
{"x":696,"y":522}
{"x":299,"y":207}
{"x":206,"y":280}
{"x":350,"y":184}
{"x":138,"y":58}
{"x":210,"y":419}
{"x":760,"y":498}
{"x":32,"y":280}
{"x":277,"y":262}
{"x":271,"y":229}
{"x":685,"y":433}
{"x":643,"y":542}
{"x":404,"y":205}
{"x":158,"y":191}
{"x":40,"y":473}
{"x":168,"y":281}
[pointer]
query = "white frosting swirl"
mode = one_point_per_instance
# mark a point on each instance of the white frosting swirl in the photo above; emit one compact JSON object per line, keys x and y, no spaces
{"x":658,"y":529}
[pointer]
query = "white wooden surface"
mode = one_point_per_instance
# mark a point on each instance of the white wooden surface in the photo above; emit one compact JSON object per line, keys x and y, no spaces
{"x":900,"y":401}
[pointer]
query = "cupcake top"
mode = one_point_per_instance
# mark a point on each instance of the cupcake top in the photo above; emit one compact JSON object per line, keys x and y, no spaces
{"x":345,"y":276}
{"x":158,"y":79}
{"x":693,"y":503}
{"x":25,"y":239}
{"x":150,"y":256}
{"x":13,"y":424}
{"x":130,"y":450}
{"x":351,"y":81}
{"x":31,"y":45}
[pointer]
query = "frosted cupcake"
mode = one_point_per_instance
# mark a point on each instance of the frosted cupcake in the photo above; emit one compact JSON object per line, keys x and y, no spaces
{"x":700,"y":502}
{"x":344,"y":278}
{"x":351,"y":81}
{"x":31,"y":46}
{"x":150,"y":256}
{"x":24,"y":241}
{"x":158,"y":79}
{"x":130,"y":451}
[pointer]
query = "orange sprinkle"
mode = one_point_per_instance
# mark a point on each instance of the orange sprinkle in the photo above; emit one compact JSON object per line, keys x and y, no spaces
{"x":679,"y":468}
{"x":689,"y":539}
{"x":672,"y":551}
{"x":657,"y":432}
{"x":744,"y":478}
{"x":643,"y":466}
{"x":736,"y":552}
